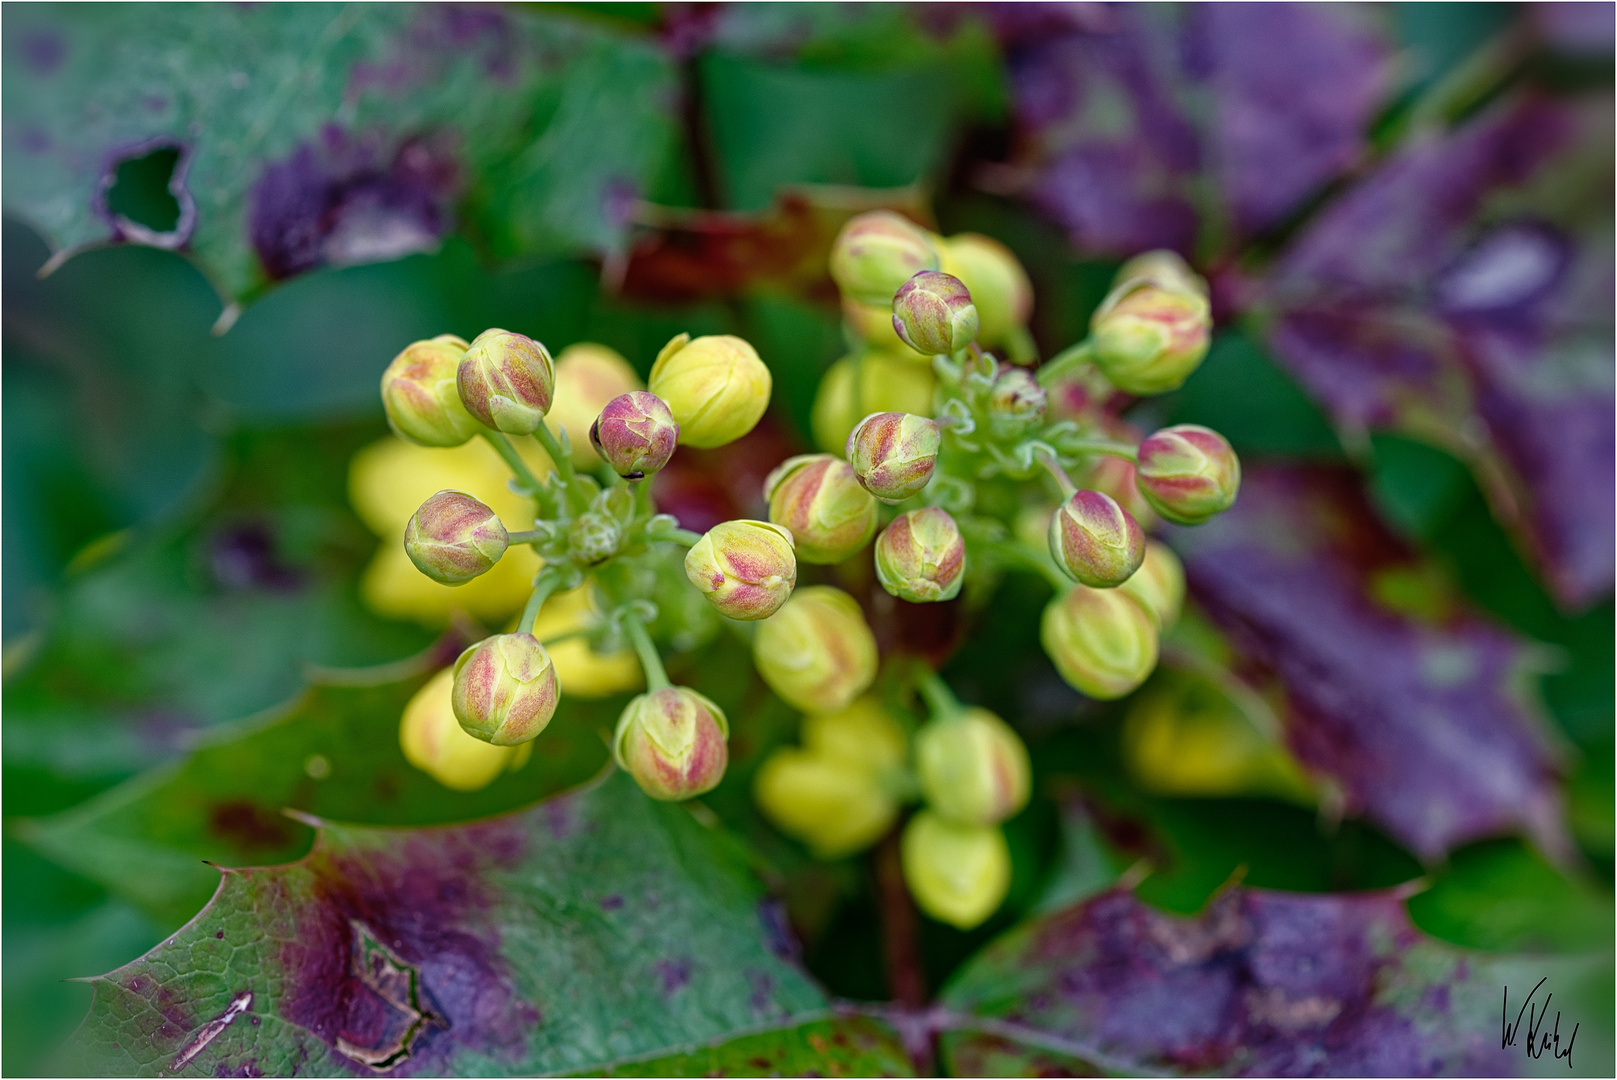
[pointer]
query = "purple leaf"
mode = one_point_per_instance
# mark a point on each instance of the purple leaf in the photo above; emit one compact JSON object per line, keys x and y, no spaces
{"x":1411,"y":704}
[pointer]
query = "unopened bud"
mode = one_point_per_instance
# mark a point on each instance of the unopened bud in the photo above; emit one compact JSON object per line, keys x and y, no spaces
{"x":672,"y":741}
{"x":746,"y":569}
{"x":507,"y":381}
{"x":1159,"y":584}
{"x":835,"y":806}
{"x":453,"y":538}
{"x":587,"y":377}
{"x":958,"y":874}
{"x":921,"y":556}
{"x":432,"y":741}
{"x":505,"y":689}
{"x":873,"y":325}
{"x":1147,"y":339}
{"x":893,"y":453}
{"x":1095,"y":540}
{"x":999,"y":286}
{"x":420,"y":396}
{"x":1164,"y":269}
{"x":933,"y":313}
{"x":858,"y":385}
{"x":820,"y":500}
{"x":1115,"y":476}
{"x":863,"y":733}
{"x":635,"y":434}
{"x":1103,"y":642}
{"x":1188,"y":473}
{"x":1016,"y":404}
{"x":877,"y":252}
{"x":715,"y":387}
{"x":973,"y":768}
{"x":816,"y":652}
{"x":594,"y":537}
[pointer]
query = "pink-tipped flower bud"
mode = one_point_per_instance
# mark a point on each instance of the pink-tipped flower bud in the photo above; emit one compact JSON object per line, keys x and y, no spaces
{"x":894,"y":453}
{"x":1095,"y":540}
{"x":507,"y":381}
{"x":420,"y":396}
{"x":1188,"y":473}
{"x":453,"y":538}
{"x":635,"y":434}
{"x":817,"y":651}
{"x":921,"y":556}
{"x":820,"y":500}
{"x":1159,"y":584}
{"x":974,"y":769}
{"x":1147,"y":339}
{"x":877,"y":252}
{"x":1103,"y":641}
{"x":1016,"y":403}
{"x":746,"y":569}
{"x":505,"y":689}
{"x":672,"y":741}
{"x":933,"y":313}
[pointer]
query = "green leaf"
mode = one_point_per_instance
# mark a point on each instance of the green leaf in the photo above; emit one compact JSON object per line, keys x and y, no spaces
{"x":589,"y":931}
{"x":318,"y":134}
{"x":844,"y":1046}
{"x":1502,"y":895}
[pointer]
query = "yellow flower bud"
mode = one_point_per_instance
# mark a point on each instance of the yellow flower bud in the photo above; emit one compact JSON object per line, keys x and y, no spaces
{"x":819,"y":499}
{"x":877,"y":252}
{"x":816,"y":652}
{"x":432,"y":741}
{"x":1159,"y":584}
{"x":746,"y":569}
{"x":583,"y":671}
{"x":863,"y":734}
{"x":999,"y":286}
{"x":973,"y":768}
{"x":587,"y":377}
{"x":873,"y":325}
{"x":1147,"y":339}
{"x":507,"y":381}
{"x":716,"y":387}
{"x":1164,"y":269}
{"x":834,"y":806}
{"x":865,"y":383}
{"x":505,"y":689}
{"x":420,"y":395}
{"x":454,"y":538}
{"x":1103,"y":641}
{"x":672,"y":741}
{"x":958,"y":874}
{"x":1185,"y":737}
{"x":921,"y":556}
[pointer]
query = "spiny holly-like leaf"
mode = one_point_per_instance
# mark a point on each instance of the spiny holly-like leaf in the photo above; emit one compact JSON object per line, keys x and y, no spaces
{"x":1260,"y":984}
{"x":319,"y":134}
{"x":333,"y":751}
{"x":1417,"y":708}
{"x":841,"y":1046}
{"x":595,"y":929}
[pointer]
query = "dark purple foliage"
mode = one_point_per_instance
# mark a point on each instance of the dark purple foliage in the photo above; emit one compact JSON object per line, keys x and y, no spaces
{"x":1422,"y":719}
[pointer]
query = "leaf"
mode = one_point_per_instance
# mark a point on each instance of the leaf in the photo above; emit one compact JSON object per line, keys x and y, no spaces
{"x":1262,"y":983}
{"x":329,"y":134}
{"x":594,"y":929}
{"x":1416,"y":707}
{"x":844,"y":1046}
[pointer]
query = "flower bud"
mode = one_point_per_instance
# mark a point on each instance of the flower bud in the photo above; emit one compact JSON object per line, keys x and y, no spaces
{"x":1159,"y":584}
{"x":863,"y":733}
{"x":816,"y":652}
{"x":877,"y":252}
{"x":1095,"y":540}
{"x":1188,"y":473}
{"x":958,"y":874}
{"x":999,"y":286}
{"x":672,"y":741}
{"x":715,"y":387}
{"x":1164,"y":269}
{"x":420,"y":396}
{"x":587,"y":377}
{"x":873,"y":325}
{"x":505,"y":689}
{"x":453,"y":538}
{"x":1115,"y":476}
{"x":893,"y":453}
{"x":432,"y":741}
{"x":921,"y":556}
{"x":933,"y":313}
{"x":867,"y":382}
{"x":836,"y":807}
{"x":1016,"y":404}
{"x":1147,"y":339}
{"x":635,"y":434}
{"x":973,"y":768}
{"x":507,"y":381}
{"x":819,"y":499}
{"x":747,"y":569}
{"x":1103,"y":641}
{"x":594,"y":537}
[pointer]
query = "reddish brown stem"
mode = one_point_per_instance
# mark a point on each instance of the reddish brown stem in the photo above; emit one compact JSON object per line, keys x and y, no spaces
{"x":906,"y":981}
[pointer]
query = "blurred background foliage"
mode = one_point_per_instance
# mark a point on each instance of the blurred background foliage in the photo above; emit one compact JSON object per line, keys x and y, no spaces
{"x":184,"y":394}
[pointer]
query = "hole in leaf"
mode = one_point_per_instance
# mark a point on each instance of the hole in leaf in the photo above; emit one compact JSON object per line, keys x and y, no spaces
{"x":140,"y":190}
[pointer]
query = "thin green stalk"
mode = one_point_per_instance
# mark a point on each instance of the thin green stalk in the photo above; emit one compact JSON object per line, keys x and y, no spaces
{"x":512,"y":459}
{"x":544,"y":583}
{"x":1067,"y":360}
{"x":562,"y":462}
{"x":650,"y":662}
{"x":940,"y":700}
{"x":526,"y":536}
{"x":684,"y":536}
{"x":1048,"y":460}
{"x":1104,"y":446}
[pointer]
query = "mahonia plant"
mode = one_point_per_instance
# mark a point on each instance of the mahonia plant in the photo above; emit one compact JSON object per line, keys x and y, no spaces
{"x":958,"y":463}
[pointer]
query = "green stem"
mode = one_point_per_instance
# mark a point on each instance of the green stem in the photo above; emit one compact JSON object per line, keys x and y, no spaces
{"x":685,"y":536}
{"x":526,"y":536}
{"x":513,"y":460}
{"x":643,"y":510}
{"x":1048,"y":460}
{"x":1104,"y":446}
{"x":1067,"y":360}
{"x":562,"y":462}
{"x":650,"y":662}
{"x":544,"y":583}
{"x":940,"y":700}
